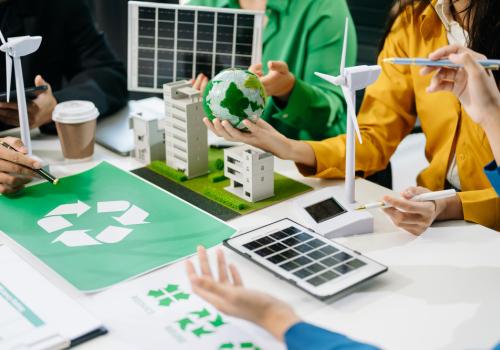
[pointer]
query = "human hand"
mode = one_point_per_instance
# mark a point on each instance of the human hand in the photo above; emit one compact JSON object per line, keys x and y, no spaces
{"x":229,"y":296}
{"x":15,"y":167}
{"x":278,"y":82}
{"x":200,"y":83}
{"x":474,"y":86}
{"x":39,"y":110}
{"x":412,"y":216}
{"x":260,"y":134}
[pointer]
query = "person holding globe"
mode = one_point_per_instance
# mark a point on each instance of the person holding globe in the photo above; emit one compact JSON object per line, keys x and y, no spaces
{"x":300,"y":37}
{"x":456,"y":147}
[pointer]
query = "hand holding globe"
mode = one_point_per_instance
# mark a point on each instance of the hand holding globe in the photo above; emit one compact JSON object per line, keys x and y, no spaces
{"x":234,"y":95}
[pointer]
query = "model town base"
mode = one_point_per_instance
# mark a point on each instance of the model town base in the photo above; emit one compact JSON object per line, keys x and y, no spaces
{"x":207,"y":192}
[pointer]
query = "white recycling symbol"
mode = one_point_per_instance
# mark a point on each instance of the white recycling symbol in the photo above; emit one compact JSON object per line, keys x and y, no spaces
{"x":55,"y":221}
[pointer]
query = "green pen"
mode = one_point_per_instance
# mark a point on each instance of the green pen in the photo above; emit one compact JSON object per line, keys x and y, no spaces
{"x":47,"y":176}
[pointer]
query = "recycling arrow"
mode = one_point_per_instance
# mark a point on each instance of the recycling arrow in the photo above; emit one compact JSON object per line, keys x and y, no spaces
{"x":77,"y":238}
{"x":218,"y":322}
{"x":77,"y":208}
{"x":200,"y":331}
{"x":133,"y":216}
{"x":184,"y":323}
{"x":181,"y":296}
{"x":170,"y":288}
{"x":155,"y":293}
{"x":201,"y":314}
{"x":113,"y":234}
{"x":54,"y":223}
{"x":112,"y":206}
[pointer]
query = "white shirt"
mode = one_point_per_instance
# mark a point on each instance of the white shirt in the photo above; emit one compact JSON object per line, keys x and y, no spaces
{"x":456,"y":35}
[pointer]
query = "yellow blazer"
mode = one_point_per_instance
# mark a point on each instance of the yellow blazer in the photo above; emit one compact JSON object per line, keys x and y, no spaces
{"x":389,"y":113}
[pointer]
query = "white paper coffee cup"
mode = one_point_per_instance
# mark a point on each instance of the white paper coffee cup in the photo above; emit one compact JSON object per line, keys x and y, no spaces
{"x":76,"y":126}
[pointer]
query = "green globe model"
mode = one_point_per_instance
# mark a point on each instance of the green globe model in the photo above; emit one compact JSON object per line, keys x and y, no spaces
{"x":234,"y":95}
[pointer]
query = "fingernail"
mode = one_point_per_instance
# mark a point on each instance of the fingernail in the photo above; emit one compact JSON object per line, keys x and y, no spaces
{"x":22,"y":149}
{"x":37,"y":165}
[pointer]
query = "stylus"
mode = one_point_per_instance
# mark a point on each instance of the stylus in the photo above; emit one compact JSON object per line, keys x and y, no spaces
{"x":487,"y":64}
{"x":53,"y":180}
{"x":424,"y":197}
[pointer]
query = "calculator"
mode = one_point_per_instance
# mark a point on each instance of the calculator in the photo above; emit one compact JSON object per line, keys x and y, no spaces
{"x":304,"y":258}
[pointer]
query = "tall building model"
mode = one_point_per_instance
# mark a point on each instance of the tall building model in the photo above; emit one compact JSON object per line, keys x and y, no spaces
{"x":251,"y":172}
{"x":186,"y":143}
{"x":149,"y":138}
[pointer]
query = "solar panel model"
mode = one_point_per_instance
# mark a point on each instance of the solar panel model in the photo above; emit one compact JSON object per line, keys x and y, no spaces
{"x":169,"y":43}
{"x":302,"y":257}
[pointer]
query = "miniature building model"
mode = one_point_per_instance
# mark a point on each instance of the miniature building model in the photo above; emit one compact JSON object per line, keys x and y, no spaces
{"x":149,"y":138}
{"x":186,"y":140}
{"x":251,"y":172}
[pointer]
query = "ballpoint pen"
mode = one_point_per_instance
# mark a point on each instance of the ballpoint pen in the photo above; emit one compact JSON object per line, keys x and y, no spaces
{"x":47,"y":176}
{"x":424,"y":197}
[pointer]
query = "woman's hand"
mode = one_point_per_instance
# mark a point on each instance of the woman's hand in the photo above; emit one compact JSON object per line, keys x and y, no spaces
{"x":278,"y":82}
{"x":262,"y":135}
{"x":474,"y":86}
{"x":229,"y":296}
{"x":417,"y":217}
{"x":15,"y":167}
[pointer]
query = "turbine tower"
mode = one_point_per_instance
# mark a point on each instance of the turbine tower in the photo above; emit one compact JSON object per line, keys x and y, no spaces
{"x":351,"y":80}
{"x":14,"y":49}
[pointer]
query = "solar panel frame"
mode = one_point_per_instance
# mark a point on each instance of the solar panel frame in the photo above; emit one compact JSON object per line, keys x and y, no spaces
{"x":155,"y":53}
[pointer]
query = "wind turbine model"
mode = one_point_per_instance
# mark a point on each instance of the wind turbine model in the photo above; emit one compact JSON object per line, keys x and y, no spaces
{"x":351,"y":80}
{"x":14,"y":49}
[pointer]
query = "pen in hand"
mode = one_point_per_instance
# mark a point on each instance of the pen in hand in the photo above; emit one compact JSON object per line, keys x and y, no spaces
{"x":424,"y":197}
{"x":47,"y":176}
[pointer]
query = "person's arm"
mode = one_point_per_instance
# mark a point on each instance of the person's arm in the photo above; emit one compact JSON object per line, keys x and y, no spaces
{"x":229,"y":296}
{"x":307,"y":336}
{"x":94,"y":72}
{"x":310,"y":103}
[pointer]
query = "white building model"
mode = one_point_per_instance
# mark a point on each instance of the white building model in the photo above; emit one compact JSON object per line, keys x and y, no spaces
{"x":149,"y":138}
{"x":186,"y":141}
{"x":251,"y":172}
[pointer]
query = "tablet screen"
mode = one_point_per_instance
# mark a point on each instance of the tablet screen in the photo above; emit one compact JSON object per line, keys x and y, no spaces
{"x":325,"y":210}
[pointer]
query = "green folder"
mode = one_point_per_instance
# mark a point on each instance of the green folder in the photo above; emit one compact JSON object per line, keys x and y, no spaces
{"x":106,"y":225}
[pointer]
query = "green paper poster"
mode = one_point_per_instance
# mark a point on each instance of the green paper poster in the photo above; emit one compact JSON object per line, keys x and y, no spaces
{"x":106,"y":225}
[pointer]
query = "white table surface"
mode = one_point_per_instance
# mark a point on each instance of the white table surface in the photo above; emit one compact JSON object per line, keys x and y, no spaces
{"x":442,"y":290}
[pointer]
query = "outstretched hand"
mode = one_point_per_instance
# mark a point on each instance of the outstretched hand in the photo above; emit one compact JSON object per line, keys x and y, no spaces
{"x":278,"y":82}
{"x":228,"y":295}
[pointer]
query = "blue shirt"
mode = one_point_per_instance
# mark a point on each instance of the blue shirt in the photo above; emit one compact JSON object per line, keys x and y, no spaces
{"x":493,"y":172}
{"x":306,"y":336}
{"x":303,"y":336}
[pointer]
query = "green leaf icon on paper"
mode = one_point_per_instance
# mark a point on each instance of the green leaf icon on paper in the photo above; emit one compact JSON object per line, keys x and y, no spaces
{"x":241,"y":346}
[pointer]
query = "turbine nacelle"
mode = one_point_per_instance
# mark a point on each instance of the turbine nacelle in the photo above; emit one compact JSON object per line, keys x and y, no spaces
{"x":21,"y":46}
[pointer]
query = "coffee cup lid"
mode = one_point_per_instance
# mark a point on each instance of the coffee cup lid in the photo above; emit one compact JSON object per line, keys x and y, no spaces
{"x":75,"y":112}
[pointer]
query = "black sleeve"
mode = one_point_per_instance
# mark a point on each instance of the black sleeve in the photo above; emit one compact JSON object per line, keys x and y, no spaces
{"x":92,"y":71}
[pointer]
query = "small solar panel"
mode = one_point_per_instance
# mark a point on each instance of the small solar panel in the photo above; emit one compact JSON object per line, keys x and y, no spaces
{"x":308,"y":260}
{"x":169,"y":43}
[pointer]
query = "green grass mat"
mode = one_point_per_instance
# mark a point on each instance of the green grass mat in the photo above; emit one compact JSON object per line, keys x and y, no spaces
{"x":211,"y":186}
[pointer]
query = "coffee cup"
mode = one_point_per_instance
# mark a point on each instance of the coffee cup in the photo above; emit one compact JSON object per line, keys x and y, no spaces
{"x":76,"y":126}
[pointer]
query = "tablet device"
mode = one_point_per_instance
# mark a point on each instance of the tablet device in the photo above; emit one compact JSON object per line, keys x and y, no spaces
{"x":304,"y":258}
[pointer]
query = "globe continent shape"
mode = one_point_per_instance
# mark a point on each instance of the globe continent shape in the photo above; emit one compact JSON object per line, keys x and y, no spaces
{"x":234,"y":95}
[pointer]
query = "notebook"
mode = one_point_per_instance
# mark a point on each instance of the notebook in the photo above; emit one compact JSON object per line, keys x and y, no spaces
{"x":34,"y":314}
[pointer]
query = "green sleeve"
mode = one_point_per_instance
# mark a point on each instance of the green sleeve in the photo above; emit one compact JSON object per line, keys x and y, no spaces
{"x":315,"y":105}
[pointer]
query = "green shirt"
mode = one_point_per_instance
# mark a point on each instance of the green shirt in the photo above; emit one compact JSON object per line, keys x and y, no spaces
{"x":308,"y":35}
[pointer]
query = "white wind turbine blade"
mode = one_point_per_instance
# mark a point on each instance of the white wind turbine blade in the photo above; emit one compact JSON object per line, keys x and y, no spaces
{"x":344,"y":46}
{"x":351,"y":111}
{"x":8,"y":68}
{"x":2,"y":38}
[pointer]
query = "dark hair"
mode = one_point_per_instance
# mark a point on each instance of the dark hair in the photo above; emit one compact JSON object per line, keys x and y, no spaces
{"x":484,"y":33}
